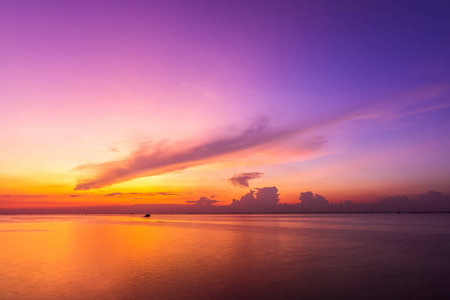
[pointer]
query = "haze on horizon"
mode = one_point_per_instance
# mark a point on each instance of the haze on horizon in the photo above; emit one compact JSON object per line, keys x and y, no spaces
{"x":175,"y":103}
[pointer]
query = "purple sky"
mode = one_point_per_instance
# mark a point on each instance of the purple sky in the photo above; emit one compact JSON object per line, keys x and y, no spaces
{"x":148,"y":96}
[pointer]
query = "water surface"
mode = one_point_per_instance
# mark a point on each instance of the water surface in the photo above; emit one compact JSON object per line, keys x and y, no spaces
{"x":298,"y":256}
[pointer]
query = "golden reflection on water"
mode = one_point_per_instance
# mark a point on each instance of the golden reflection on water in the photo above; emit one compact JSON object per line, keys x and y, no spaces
{"x":109,"y":256}
{"x":218,"y":257}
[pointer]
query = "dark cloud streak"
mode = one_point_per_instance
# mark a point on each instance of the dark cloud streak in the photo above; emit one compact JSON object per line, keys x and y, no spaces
{"x":143,"y":194}
{"x":159,"y":160}
{"x":203,"y":201}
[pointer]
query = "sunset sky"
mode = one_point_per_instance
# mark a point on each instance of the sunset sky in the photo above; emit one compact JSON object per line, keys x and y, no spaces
{"x":166,"y":101}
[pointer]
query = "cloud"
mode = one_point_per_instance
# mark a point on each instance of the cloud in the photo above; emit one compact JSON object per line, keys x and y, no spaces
{"x":203,"y":201}
{"x":113,"y":194}
{"x":161,"y":194}
{"x":167,"y":194}
{"x":310,"y":201}
{"x":144,"y":194}
{"x":161,"y":158}
{"x":150,"y":162}
{"x":25,"y":196}
{"x":416,"y":101}
{"x":395,"y":203}
{"x":241,"y":180}
{"x":431,"y":201}
{"x":266,"y":199}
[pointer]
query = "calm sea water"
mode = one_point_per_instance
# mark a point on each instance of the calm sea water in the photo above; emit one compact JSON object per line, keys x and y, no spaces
{"x":301,"y":256}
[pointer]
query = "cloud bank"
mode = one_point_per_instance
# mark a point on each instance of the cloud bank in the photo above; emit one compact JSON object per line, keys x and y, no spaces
{"x":310,"y":201}
{"x":266,"y":200}
{"x":241,"y":180}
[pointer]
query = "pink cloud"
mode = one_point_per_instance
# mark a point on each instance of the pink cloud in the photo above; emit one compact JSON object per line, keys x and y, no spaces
{"x":241,"y":180}
{"x":151,"y":161}
{"x":148,"y":162}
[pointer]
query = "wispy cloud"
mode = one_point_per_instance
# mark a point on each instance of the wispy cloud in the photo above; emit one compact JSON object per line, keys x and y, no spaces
{"x":241,"y":180}
{"x":424,"y":99}
{"x":161,"y":159}
{"x":148,"y":162}
{"x":113,"y":194}
{"x":163,"y":194}
{"x":141,"y":194}
{"x":203,"y":201}
{"x":24,"y":196}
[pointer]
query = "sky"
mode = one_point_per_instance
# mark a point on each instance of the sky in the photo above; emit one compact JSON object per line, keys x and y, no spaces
{"x":166,"y":102}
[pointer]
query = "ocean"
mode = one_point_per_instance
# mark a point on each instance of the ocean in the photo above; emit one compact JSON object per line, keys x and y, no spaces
{"x":235,"y":256}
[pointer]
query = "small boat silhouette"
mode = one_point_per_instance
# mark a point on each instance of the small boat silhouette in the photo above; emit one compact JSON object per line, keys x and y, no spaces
{"x":147,"y":216}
